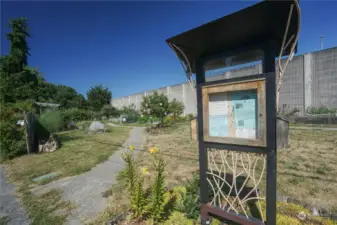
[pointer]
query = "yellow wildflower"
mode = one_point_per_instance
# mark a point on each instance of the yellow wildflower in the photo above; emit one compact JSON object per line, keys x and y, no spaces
{"x":145,"y":171}
{"x":153,"y":150}
{"x":131,"y":147}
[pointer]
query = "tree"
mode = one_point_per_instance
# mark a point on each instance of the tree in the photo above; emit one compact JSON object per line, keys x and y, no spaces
{"x":46,"y":91}
{"x":18,"y":81}
{"x":98,"y":96}
{"x":80,"y":102}
{"x":19,"y":49}
{"x":66,"y":96}
{"x":176,"y":108}
{"x":109,"y":111}
{"x":156,"y":105}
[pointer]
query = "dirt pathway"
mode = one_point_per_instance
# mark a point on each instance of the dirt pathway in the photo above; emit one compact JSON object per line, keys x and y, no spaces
{"x":11,"y":209}
{"x":85,"y":190}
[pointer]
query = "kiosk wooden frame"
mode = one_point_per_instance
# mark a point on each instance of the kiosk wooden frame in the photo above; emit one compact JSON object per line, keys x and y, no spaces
{"x":224,"y":87}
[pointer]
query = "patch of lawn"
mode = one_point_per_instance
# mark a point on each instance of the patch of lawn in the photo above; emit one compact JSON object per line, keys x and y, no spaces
{"x":78,"y":153}
{"x":4,"y":220}
{"x":47,"y":208}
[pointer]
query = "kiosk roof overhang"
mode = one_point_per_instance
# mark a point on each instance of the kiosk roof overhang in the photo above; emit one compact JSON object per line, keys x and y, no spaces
{"x":263,"y":22}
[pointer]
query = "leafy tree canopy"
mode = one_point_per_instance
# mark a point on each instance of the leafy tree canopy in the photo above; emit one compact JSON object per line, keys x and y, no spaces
{"x":176,"y":107}
{"x":155,"y":105}
{"x":98,"y":96}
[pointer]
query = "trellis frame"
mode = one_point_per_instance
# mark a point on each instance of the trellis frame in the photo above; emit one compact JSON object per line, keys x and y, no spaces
{"x":268,"y":65}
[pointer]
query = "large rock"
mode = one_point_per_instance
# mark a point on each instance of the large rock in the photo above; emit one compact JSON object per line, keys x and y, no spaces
{"x":96,"y":126}
{"x":51,"y":145}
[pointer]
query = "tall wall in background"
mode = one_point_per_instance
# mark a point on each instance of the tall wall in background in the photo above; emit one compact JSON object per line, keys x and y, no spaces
{"x":310,"y":81}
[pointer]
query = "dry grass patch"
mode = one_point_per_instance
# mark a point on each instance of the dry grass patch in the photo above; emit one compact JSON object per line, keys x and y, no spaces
{"x":306,"y":171}
{"x":179,"y":152}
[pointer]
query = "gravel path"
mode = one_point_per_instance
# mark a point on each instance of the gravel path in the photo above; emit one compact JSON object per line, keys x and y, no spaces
{"x":86,"y":190}
{"x":10,"y":205}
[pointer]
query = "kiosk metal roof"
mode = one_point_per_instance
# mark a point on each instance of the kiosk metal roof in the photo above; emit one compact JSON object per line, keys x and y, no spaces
{"x":263,"y":22}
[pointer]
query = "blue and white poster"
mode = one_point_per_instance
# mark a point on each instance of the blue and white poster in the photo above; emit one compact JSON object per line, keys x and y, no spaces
{"x":218,"y":126}
{"x":245,"y":113}
{"x":218,"y":115}
{"x":243,"y":119}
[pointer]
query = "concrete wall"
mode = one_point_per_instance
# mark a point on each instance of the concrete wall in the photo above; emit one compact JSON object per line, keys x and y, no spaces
{"x":310,"y":80}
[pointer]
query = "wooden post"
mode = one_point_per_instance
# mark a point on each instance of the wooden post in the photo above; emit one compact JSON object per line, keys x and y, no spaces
{"x":26,"y":125}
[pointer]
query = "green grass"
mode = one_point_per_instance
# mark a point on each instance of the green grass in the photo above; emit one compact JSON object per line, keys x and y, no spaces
{"x":78,"y":153}
{"x":47,"y":208}
{"x":4,"y":220}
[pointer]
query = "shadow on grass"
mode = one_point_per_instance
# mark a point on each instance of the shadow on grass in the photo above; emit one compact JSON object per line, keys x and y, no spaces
{"x":65,"y":138}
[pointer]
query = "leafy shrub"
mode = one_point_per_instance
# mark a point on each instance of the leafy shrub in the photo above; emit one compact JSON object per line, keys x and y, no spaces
{"x":12,"y":136}
{"x":143,"y":119}
{"x":157,"y":190}
{"x":178,"y":218}
{"x":155,"y":105}
{"x":12,"y":140}
{"x":169,"y":120}
{"x":129,"y":174}
{"x":190,"y":198}
{"x":83,"y":125}
{"x":176,"y":108}
{"x":190,"y":116}
{"x":75,"y":114}
{"x":138,"y":200}
{"x":52,"y":121}
{"x":109,"y":111}
{"x":320,"y":110}
{"x":130,"y":113}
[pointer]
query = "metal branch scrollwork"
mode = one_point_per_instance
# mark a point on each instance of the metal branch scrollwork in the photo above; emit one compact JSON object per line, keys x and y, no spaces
{"x":229,"y":175}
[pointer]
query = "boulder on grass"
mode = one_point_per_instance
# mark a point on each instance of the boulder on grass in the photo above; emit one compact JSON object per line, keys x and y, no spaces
{"x":51,"y":145}
{"x":96,"y":126}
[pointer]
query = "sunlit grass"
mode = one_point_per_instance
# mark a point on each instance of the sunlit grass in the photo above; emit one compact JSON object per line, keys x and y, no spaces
{"x":78,"y":153}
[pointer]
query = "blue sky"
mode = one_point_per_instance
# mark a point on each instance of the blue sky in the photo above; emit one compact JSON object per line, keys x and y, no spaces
{"x":122,"y":44}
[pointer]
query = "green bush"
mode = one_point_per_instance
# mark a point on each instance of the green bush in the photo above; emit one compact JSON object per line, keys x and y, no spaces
{"x":12,"y":140}
{"x":176,"y":108}
{"x":52,"y":121}
{"x":190,"y":116}
{"x":143,"y":119}
{"x":75,"y":114}
{"x":12,"y":136}
{"x":190,"y":198}
{"x":83,"y":125}
{"x":157,"y":199}
{"x":179,"y":218}
{"x":320,"y":110}
{"x":109,"y":111}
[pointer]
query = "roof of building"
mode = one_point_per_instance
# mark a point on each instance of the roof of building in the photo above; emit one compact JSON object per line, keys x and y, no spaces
{"x":263,"y":22}
{"x":46,"y":104}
